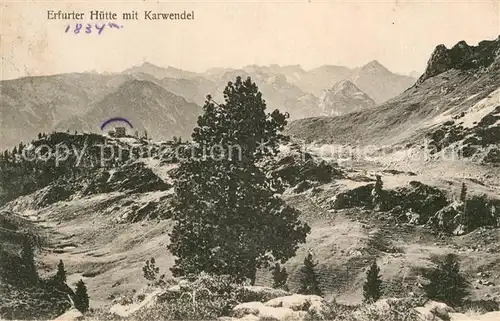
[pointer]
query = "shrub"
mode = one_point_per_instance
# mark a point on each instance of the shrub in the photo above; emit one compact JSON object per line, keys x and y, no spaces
{"x":206,"y":297}
{"x":151,"y":273}
{"x":185,"y":308}
{"x":398,"y":310}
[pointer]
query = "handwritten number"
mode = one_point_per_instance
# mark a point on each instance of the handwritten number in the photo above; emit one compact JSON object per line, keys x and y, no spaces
{"x":100,"y":28}
{"x":88,"y":27}
{"x":78,"y":27}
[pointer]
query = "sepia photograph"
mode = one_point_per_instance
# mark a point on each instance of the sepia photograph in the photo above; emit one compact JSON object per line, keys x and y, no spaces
{"x":250,"y":160}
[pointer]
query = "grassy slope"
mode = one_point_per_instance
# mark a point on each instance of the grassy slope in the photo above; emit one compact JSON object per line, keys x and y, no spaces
{"x":109,"y":256}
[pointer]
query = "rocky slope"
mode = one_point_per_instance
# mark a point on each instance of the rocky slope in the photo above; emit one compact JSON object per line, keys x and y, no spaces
{"x":318,"y":79}
{"x":448,"y":93}
{"x":373,"y":78}
{"x":344,"y":97}
{"x":110,"y":219}
{"x":32,"y":105}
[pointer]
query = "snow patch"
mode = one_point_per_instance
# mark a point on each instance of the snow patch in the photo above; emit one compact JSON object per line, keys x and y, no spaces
{"x":471,"y":96}
{"x":481,"y":109}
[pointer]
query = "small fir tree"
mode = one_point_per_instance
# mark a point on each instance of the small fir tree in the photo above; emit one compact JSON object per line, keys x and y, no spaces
{"x":29,"y":273}
{"x":309,"y":283}
{"x":61,"y":273}
{"x":445,"y":282}
{"x":280,"y":277}
{"x":463,"y":193}
{"x":81,"y":299}
{"x":372,"y":289}
{"x":377,"y":193}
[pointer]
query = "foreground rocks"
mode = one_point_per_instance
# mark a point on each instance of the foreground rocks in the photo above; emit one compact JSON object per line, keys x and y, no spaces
{"x":291,"y":307}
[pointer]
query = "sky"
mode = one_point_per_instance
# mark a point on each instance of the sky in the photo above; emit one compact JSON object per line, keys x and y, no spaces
{"x":399,"y":34}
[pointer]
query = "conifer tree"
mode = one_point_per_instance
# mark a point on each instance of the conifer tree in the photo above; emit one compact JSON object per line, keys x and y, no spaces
{"x":280,"y":277}
{"x":229,"y":218}
{"x":372,"y":290}
{"x":61,"y":273}
{"x":377,"y":192}
{"x":29,"y":273}
{"x":463,"y":193}
{"x":309,"y":283}
{"x":81,"y":298}
{"x":446,"y":284}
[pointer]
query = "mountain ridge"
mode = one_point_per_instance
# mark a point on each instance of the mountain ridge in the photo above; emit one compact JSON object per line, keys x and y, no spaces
{"x":344,"y":97}
{"x":147,"y":105}
{"x":446,"y":96}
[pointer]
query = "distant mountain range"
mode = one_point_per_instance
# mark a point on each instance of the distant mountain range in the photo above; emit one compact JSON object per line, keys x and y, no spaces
{"x":455,"y":101}
{"x":80,"y":101}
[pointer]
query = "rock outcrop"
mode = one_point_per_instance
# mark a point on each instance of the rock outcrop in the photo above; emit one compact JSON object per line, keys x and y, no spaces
{"x":344,"y":97}
{"x":461,"y":57}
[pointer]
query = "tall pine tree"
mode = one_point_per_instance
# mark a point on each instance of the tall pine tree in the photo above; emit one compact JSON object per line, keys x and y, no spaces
{"x":309,"y":283}
{"x":229,"y":218}
{"x":81,"y":298}
{"x":372,"y":289}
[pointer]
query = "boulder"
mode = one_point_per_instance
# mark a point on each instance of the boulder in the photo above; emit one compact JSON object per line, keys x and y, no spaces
{"x":252,"y":293}
{"x":420,"y":198}
{"x":258,"y":311}
{"x":125,"y":310}
{"x":434,"y":309}
{"x":490,"y":316}
{"x":446,"y":219}
{"x":249,"y":317}
{"x":298,"y":302}
{"x":280,"y":314}
{"x":356,"y":197}
{"x":243,"y":309}
{"x":70,"y":315}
